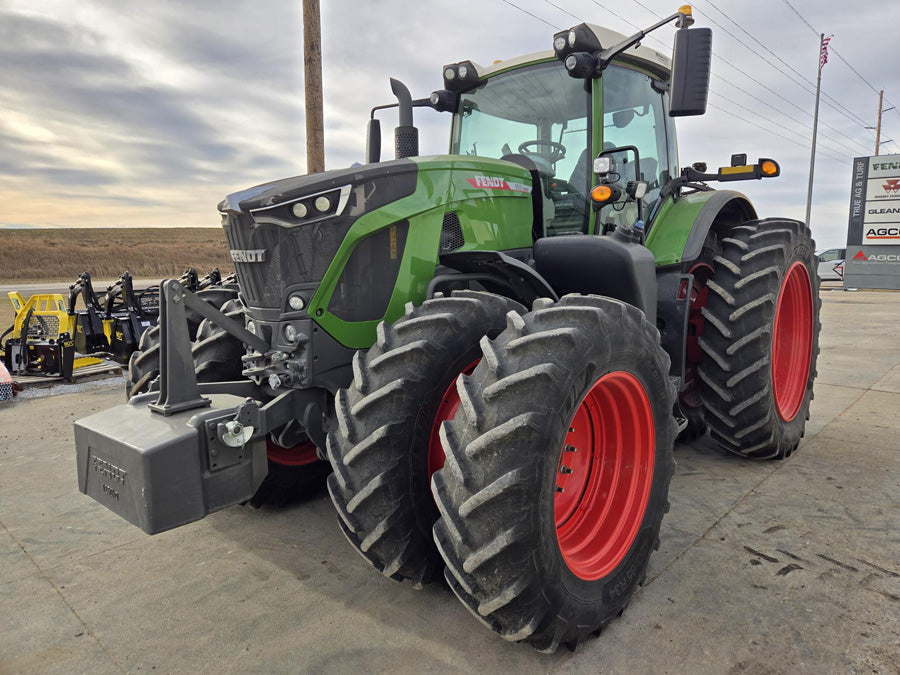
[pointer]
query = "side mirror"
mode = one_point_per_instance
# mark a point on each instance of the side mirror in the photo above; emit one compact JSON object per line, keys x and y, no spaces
{"x":691,"y":64}
{"x":373,"y":141}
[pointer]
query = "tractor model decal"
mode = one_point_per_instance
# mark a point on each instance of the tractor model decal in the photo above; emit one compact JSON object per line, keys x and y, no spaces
{"x":497,"y":183}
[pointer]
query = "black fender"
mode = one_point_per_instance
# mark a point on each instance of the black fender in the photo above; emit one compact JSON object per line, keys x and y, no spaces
{"x":724,"y":208}
{"x":498,"y":272}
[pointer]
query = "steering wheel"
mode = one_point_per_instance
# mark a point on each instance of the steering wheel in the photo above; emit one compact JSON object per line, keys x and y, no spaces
{"x":557,"y":151}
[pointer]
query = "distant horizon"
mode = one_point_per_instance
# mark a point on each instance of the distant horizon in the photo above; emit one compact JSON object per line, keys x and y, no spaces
{"x":17,"y":226}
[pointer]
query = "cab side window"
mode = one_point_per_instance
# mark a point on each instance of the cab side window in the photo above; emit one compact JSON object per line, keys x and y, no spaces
{"x":634,"y":114}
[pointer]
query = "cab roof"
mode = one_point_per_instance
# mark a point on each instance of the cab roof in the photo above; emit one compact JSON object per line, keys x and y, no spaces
{"x":638,"y":55}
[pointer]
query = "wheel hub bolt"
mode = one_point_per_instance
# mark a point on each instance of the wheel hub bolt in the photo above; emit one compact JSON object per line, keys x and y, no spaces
{"x":565,"y":469}
{"x":569,"y":448}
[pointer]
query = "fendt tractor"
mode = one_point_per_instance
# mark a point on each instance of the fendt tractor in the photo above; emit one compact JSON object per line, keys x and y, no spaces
{"x":488,"y":353}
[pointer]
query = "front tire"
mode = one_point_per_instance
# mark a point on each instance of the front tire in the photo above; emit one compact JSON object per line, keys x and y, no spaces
{"x":761,"y":338}
{"x":558,"y":469}
{"x":387,"y":446}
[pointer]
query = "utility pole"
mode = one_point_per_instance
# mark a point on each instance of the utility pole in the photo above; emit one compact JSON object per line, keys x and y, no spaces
{"x":812,"y":154}
{"x":312,"y":76}
{"x":878,"y":123}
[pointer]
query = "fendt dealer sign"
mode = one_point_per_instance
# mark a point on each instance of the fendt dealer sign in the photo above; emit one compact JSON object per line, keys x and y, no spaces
{"x":873,"y":234}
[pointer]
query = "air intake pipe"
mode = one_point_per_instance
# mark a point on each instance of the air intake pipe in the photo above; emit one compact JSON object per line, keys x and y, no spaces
{"x":406,"y":136}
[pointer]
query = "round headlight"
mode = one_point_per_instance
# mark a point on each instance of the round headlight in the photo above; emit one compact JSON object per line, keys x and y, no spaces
{"x":300,"y":210}
{"x":449,"y":74}
{"x":296,"y":302}
{"x":323,"y":204}
{"x":572,"y":38}
{"x":559,"y":43}
{"x":571,"y":61}
{"x":463,"y":71}
{"x":290,"y":334}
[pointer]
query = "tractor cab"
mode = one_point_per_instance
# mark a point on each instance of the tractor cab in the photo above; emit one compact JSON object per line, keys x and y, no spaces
{"x":533,"y":113}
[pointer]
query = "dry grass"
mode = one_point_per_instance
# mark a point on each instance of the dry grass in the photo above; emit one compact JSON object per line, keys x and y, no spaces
{"x":61,"y":255}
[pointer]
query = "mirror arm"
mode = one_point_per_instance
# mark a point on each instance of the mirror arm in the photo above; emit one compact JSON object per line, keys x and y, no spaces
{"x":609,"y":54}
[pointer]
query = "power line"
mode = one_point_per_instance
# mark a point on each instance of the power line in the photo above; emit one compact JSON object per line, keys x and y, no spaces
{"x":796,"y":133}
{"x":728,"y":63}
{"x":838,"y":54}
{"x":535,"y":16}
{"x":766,"y":103}
{"x":802,"y":18}
{"x":562,"y":9}
{"x":803,"y":83}
{"x":771,"y":131}
{"x":741,"y":72}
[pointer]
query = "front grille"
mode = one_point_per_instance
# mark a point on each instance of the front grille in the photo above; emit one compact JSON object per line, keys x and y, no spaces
{"x":451,"y":233}
{"x":301,"y":254}
{"x":292,"y":255}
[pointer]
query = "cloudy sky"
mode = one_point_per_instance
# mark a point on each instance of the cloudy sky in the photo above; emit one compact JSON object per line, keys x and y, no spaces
{"x":123,"y":113}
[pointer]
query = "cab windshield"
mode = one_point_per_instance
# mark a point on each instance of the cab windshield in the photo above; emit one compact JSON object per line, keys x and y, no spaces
{"x":538,"y":117}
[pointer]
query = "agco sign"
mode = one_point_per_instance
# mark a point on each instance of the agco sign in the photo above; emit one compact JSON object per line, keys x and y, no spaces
{"x":876,"y":257}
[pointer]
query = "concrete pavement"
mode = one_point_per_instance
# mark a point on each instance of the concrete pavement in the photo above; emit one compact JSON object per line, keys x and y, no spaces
{"x":764,"y":567}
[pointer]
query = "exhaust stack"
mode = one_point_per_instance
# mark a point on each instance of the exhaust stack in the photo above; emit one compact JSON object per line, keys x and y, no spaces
{"x":406,"y":136}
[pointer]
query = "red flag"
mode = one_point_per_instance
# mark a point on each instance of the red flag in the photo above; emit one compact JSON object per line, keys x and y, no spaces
{"x":823,"y":53}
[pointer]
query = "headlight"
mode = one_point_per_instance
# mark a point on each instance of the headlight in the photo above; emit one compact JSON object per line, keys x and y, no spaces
{"x":296,"y":302}
{"x":290,"y":334}
{"x":251,"y":326}
{"x":303,"y":210}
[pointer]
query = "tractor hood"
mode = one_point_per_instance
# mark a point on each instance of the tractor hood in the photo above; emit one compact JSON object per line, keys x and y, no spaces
{"x":288,"y":189}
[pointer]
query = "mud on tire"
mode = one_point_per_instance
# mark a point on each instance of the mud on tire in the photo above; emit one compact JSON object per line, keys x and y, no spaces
{"x":566,"y":393}
{"x":386,"y":444}
{"x":761,"y":338}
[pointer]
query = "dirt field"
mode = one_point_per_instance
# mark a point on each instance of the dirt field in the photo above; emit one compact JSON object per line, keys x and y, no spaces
{"x":61,"y":255}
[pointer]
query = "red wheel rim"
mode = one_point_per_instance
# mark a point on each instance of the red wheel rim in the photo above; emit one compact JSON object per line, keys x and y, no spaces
{"x":792,"y":341}
{"x":446,"y":411}
{"x":299,"y":455}
{"x":604,"y":475}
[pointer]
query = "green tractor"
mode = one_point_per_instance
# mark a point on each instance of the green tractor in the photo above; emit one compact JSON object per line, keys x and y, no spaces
{"x":490,"y":353}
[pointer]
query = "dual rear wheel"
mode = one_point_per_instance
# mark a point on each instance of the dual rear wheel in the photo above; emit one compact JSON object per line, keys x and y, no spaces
{"x":545,"y":509}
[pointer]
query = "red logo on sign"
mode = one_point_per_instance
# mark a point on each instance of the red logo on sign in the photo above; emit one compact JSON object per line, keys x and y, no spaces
{"x":892,"y":185}
{"x":860,"y":256}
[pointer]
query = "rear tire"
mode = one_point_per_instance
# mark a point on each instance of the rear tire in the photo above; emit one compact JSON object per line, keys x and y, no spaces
{"x":574,"y":395}
{"x":386,"y":445}
{"x":761,"y":338}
